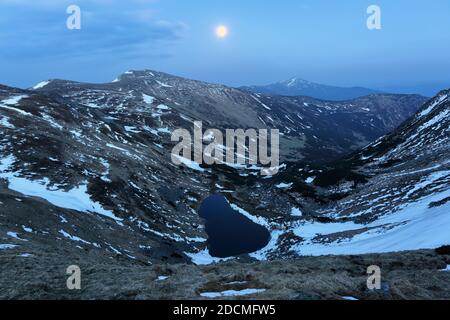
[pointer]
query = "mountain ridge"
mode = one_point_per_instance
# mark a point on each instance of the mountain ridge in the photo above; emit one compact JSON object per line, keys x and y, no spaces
{"x":197,"y":99}
{"x":86,"y":177}
{"x":105,"y":150}
{"x":300,"y":87}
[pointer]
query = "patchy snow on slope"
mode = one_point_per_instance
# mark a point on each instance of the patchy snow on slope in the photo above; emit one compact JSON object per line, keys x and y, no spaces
{"x":52,"y":121}
{"x":435,"y":120}
{"x":75,"y":199}
{"x":12,"y":101}
{"x":189,"y":163}
{"x":105,"y":173}
{"x":428,"y":180}
{"x":16,"y":110}
{"x":231,"y":293}
{"x":73,"y":238}
{"x":437,"y":101}
{"x":125,"y":151}
{"x":262,"y":104}
{"x":414,"y":226}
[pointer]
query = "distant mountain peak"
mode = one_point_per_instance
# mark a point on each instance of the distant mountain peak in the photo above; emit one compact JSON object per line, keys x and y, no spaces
{"x":138,"y":74}
{"x":296,"y":82}
{"x":297,"y":86}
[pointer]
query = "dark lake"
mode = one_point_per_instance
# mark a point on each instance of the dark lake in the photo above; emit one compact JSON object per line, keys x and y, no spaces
{"x":229,"y":232}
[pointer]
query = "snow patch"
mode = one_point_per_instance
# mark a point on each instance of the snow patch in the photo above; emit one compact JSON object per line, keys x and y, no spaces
{"x":25,"y":255}
{"x":164,"y":85}
{"x":284,"y":185}
{"x":14,"y":235}
{"x":231,"y":293}
{"x":413,"y":226}
{"x":75,"y":199}
{"x":131,"y":129}
{"x":73,"y":238}
{"x":296,"y":212}
{"x":7,"y":246}
{"x":12,"y":101}
{"x":204,"y":258}
{"x":256,"y":219}
{"x":27,"y":229}
{"x":148,"y":99}
{"x":41,"y":85}
{"x":432,"y":106}
{"x":189,"y":163}
{"x":4,"y":122}
{"x":163,"y":107}
{"x":262,"y":104}
{"x":310,"y":180}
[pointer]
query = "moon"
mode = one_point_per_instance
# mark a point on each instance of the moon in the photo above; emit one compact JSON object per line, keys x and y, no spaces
{"x":221,"y":31}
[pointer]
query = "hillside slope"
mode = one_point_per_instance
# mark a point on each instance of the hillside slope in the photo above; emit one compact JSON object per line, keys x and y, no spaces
{"x":393,"y":195}
{"x":87,"y":167}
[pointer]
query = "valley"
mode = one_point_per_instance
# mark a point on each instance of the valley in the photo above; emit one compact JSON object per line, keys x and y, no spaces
{"x":86,"y":178}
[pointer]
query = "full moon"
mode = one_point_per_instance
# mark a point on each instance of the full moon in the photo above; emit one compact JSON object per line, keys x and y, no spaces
{"x":221,"y":31}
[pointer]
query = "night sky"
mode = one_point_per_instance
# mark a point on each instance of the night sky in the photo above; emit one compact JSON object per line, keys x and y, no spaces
{"x":267,"y":41}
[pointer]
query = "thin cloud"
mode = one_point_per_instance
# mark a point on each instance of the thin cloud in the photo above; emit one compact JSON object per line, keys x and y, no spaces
{"x":107,"y":27}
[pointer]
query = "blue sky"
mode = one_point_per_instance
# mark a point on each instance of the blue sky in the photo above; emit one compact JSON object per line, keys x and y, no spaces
{"x":325,"y":41}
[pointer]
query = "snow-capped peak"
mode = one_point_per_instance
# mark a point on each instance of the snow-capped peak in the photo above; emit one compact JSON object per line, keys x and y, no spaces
{"x":295,"y":82}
